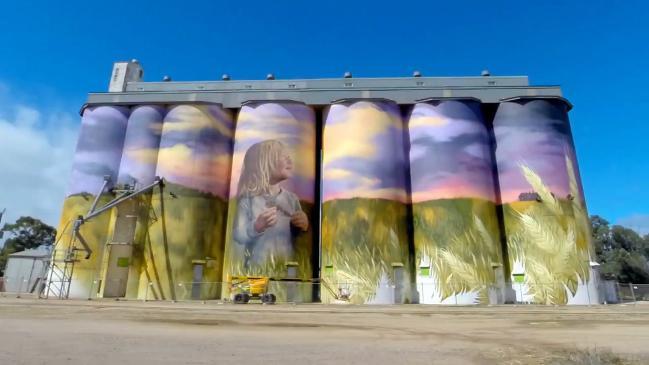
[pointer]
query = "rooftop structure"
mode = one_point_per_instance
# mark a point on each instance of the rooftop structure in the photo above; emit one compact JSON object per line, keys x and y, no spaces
{"x":128,"y":88}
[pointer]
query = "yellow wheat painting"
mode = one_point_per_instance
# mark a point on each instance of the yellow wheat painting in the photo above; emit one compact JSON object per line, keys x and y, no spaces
{"x":548,"y":242}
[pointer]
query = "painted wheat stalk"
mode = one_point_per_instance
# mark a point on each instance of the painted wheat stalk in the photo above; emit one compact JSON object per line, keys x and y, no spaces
{"x":456,"y":266}
{"x":551,"y":241}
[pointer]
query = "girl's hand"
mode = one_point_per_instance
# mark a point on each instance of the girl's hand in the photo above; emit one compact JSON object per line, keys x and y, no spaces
{"x":300,"y":220}
{"x":266,"y":219}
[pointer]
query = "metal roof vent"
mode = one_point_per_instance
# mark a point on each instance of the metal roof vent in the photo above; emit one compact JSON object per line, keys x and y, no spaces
{"x":225,"y":77}
{"x":485,"y":73}
{"x":416,"y":74}
{"x":166,"y":78}
{"x":270,"y":77}
{"x":135,"y":61}
{"x":347,"y":75}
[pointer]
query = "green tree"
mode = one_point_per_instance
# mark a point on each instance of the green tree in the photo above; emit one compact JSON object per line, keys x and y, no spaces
{"x":622,"y":253}
{"x":25,"y":233}
{"x":626,"y":238}
{"x":601,"y":234}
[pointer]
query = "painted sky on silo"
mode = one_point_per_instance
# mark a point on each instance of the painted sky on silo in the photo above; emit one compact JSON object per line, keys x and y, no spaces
{"x":195,"y":148}
{"x":293,"y":124}
{"x":535,"y":134}
{"x":141,"y":145}
{"x":99,"y":148}
{"x":363,"y":152}
{"x":449,"y":152}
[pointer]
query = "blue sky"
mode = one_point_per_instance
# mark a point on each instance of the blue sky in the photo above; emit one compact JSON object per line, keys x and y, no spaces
{"x":53,"y":53}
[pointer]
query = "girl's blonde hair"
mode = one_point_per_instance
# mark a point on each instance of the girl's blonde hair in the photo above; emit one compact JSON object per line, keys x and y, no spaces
{"x":258,"y":164}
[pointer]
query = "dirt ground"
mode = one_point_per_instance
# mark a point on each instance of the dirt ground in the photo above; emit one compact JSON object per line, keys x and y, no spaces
{"x":36,"y":331}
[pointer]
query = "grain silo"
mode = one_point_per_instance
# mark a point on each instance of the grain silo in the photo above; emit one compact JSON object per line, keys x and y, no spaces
{"x":450,"y":190}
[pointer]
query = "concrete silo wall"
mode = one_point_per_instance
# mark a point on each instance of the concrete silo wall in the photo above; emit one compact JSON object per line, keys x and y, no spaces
{"x":365,"y":250}
{"x":409,"y":210}
{"x":125,"y":271}
{"x":272,"y":194}
{"x":97,"y":156}
{"x":183,"y":254}
{"x":546,"y":223}
{"x":456,"y":235}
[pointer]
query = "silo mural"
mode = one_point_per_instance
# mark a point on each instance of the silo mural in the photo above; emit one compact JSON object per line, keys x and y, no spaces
{"x":427,"y":201}
{"x":183,"y":255}
{"x":98,"y":154}
{"x":457,"y":244}
{"x":132,"y":217}
{"x":272,"y":193}
{"x":545,"y":218}
{"x":365,"y":254}
{"x":140,"y":155}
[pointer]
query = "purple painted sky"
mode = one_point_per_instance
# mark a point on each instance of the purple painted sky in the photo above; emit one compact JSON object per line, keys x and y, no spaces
{"x":141,"y":145}
{"x":535,"y":134}
{"x":99,"y":148}
{"x":449,"y":152}
{"x":363,"y":152}
{"x":195,"y":148}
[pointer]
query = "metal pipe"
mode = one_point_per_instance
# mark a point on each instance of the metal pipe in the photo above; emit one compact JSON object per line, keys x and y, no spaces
{"x":84,"y":244}
{"x":103,"y":186}
{"x":122,"y":199}
{"x":81,"y":220}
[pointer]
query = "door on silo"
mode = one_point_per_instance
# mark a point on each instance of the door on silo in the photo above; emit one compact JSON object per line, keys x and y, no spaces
{"x":116,"y":277}
{"x":197,"y":278}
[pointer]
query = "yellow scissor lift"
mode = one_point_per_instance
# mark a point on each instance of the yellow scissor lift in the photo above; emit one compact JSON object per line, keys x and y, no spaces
{"x":245,"y":288}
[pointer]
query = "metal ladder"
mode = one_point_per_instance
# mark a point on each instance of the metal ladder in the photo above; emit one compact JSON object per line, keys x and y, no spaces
{"x":60,"y":274}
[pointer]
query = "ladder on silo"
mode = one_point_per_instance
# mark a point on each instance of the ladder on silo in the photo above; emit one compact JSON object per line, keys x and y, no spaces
{"x":60,"y":269}
{"x":60,"y":274}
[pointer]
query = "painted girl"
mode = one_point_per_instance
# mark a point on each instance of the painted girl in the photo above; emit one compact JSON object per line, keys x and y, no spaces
{"x":268,"y":215}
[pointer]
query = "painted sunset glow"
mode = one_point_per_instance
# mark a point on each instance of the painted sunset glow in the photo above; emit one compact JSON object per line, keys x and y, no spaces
{"x":195,"y":148}
{"x":99,"y":148}
{"x":535,"y":134}
{"x":293,"y":124}
{"x":449,"y":152}
{"x":141,"y":144}
{"x":363,"y":153}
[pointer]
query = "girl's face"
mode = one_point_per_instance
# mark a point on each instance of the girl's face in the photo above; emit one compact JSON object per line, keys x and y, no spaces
{"x":283,"y":167}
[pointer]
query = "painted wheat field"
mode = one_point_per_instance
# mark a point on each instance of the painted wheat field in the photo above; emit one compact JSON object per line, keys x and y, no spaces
{"x":96,"y":233}
{"x":457,"y":247}
{"x":361,"y":240}
{"x":183,"y":225}
{"x":549,"y":241}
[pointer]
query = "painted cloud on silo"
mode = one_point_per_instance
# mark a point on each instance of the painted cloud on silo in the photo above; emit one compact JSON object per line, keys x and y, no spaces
{"x":141,"y":145}
{"x":363,"y":152}
{"x":537,"y":136}
{"x":195,"y":149}
{"x":449,"y":152}
{"x":99,"y":148}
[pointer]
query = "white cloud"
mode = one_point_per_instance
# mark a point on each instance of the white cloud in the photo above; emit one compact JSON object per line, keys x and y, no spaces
{"x":36,"y":149}
{"x":637,"y":222}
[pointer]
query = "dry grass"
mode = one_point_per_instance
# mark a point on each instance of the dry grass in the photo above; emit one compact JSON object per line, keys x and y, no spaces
{"x":592,"y":357}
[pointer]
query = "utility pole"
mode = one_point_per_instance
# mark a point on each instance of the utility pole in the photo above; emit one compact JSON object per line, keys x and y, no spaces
{"x":1,"y":214}
{"x":2,"y":233}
